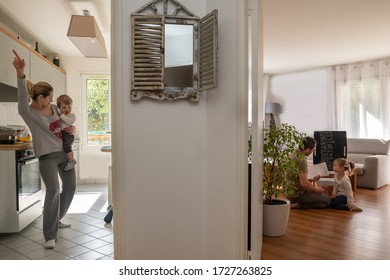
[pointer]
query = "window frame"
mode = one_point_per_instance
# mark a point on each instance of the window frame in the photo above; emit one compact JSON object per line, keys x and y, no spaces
{"x":84,"y":110}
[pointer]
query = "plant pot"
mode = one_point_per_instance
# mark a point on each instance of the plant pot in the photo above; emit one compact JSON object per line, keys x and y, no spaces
{"x":275,"y":217}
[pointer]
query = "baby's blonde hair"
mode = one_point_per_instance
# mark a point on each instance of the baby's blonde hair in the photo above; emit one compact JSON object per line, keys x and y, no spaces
{"x":65,"y":99}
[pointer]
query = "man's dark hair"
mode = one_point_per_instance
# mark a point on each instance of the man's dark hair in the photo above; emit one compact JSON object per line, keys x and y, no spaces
{"x":308,"y":142}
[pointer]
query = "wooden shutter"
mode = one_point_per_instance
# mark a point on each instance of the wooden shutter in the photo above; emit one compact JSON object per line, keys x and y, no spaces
{"x":208,"y":61}
{"x":147,"y":53}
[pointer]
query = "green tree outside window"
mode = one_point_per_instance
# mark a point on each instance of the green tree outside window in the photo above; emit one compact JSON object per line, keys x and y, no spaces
{"x":98,"y":109}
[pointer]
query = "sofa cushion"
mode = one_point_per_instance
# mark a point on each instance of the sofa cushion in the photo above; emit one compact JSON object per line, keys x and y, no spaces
{"x":357,"y":158}
{"x":368,"y":146}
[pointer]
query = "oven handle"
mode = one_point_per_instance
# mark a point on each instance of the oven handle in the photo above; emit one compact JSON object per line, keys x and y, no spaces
{"x":28,"y":161}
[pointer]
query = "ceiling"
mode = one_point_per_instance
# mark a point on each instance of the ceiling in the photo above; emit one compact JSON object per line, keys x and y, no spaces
{"x":298,"y":34}
{"x":47,"y":21}
{"x":305,"y":34}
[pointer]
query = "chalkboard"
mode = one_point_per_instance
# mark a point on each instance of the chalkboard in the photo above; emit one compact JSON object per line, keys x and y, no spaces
{"x":330,"y":145}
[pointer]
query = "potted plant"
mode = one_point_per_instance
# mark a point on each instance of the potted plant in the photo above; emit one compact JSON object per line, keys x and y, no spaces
{"x":278,"y":171}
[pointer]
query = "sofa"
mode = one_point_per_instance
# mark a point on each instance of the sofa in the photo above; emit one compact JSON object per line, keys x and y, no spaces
{"x":372,"y":159}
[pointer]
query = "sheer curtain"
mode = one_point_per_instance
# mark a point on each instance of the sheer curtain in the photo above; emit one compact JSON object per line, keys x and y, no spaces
{"x":361,"y":99}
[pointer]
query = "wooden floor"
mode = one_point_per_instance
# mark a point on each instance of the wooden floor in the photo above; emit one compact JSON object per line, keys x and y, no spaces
{"x":327,"y":234}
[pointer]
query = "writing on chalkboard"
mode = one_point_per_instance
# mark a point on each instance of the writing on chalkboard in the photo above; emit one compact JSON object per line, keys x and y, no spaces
{"x":330,"y":145}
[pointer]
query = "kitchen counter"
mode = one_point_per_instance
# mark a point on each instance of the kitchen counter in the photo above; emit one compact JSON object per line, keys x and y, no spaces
{"x":15,"y":147}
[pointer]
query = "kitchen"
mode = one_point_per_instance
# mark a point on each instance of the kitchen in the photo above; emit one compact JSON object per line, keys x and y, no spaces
{"x":58,"y":61}
{"x":53,"y":42}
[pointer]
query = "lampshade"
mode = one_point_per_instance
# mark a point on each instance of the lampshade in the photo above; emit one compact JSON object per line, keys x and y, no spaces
{"x":85,"y":34}
{"x":272,"y":108}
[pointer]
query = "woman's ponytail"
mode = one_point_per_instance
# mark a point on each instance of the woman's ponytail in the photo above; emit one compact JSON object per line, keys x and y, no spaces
{"x":40,"y":88}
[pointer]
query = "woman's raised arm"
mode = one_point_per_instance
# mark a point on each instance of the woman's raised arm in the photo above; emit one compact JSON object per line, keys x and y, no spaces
{"x":19,"y":65}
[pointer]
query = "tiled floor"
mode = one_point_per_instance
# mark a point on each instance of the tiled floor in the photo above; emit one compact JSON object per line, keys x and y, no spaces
{"x":89,"y":237}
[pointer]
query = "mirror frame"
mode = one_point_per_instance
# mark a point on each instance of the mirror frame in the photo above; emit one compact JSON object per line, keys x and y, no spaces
{"x":147,"y":55}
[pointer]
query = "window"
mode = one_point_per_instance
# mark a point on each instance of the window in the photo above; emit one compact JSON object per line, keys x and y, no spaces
{"x":362,"y":98}
{"x":96,"y":111}
{"x":360,"y":109}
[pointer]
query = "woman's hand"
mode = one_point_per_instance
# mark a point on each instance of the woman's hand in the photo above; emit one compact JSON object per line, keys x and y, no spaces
{"x":19,"y":65}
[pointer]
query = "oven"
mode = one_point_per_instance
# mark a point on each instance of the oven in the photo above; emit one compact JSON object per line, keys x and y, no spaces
{"x":21,"y":196}
{"x":28,"y":179}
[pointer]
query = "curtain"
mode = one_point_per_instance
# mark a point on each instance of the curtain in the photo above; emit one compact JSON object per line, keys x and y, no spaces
{"x":360,"y":94}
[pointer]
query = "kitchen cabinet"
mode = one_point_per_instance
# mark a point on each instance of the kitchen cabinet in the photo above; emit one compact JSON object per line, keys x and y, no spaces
{"x":43,"y":70}
{"x":38,"y":68}
{"x":7,"y":71}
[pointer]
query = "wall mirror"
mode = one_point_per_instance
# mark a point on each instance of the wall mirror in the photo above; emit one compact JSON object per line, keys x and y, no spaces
{"x":173,"y":52}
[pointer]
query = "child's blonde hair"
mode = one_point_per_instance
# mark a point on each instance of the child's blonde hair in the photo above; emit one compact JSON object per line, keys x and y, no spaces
{"x":347,"y":165}
{"x":64,"y":98}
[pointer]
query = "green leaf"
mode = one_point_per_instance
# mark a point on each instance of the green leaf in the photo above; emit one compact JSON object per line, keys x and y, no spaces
{"x":279,"y":144}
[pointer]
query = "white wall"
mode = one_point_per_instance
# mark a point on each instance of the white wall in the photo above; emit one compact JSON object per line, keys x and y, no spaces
{"x":93,"y":165}
{"x":9,"y":114}
{"x":177,"y":166}
{"x":304,"y":98}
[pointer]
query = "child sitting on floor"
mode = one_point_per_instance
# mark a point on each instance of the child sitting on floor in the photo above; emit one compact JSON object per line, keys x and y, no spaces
{"x":342,"y":196}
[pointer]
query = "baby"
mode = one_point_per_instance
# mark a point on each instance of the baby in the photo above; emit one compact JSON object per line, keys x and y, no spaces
{"x":64,"y":103}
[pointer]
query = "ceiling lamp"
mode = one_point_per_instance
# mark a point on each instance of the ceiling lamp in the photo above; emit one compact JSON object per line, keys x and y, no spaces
{"x":85,"y":34}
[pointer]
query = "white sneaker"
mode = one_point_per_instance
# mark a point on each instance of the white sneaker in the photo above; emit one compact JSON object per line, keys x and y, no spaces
{"x":70,"y":165}
{"x":50,"y":244}
{"x":62,"y":225}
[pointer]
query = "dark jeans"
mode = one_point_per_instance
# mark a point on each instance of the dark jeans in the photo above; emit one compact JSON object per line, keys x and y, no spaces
{"x":339,"y":203}
{"x":67,"y":140}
